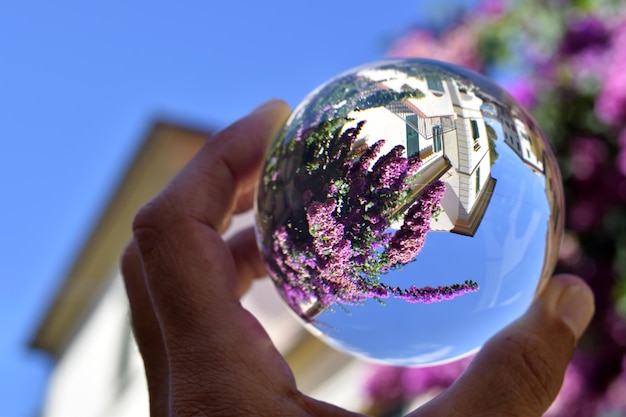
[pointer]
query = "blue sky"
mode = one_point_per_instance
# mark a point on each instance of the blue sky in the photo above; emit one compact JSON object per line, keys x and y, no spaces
{"x":79,"y":86}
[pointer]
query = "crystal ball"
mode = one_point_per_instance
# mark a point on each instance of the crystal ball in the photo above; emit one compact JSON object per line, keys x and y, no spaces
{"x":408,"y":210}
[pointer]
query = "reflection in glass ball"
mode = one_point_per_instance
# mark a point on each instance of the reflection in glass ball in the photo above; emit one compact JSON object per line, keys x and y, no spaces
{"x":408,"y":210}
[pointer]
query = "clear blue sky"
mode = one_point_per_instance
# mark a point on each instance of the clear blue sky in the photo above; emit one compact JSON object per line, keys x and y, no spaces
{"x":80,"y":84}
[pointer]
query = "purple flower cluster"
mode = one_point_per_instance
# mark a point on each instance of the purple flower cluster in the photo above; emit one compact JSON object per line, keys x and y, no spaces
{"x":390,"y":171}
{"x":429,"y":295}
{"x":458,"y":46}
{"x":335,"y":247}
{"x":611,"y":100}
{"x":593,"y":50}
{"x":332,"y":250}
{"x":583,"y":34}
{"x":408,"y":241}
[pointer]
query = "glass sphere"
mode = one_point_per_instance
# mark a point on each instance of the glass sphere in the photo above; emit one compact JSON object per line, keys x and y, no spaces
{"x":408,"y":210}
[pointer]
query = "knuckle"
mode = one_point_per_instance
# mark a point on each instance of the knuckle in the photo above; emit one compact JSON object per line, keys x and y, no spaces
{"x":151,"y":220}
{"x":220,"y":188}
{"x":540,"y":378}
{"x":128,"y":259}
{"x":538,"y":373}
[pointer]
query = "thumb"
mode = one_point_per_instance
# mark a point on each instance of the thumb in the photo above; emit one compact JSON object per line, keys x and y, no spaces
{"x":519,"y":371}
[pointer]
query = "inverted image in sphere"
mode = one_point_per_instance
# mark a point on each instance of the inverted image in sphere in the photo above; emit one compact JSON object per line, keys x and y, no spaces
{"x":408,"y":210}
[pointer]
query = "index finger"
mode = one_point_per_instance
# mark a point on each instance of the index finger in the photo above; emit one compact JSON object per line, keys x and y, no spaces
{"x":225,"y":168}
{"x":187,"y":265}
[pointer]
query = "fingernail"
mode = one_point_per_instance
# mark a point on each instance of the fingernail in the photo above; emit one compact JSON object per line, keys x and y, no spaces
{"x":268,"y":105}
{"x":274,"y":112}
{"x":575,"y":307}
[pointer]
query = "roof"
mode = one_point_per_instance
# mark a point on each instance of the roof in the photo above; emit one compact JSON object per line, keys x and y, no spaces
{"x":165,"y":150}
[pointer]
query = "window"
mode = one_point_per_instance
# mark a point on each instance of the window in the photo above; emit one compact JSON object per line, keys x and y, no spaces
{"x":437,"y":138}
{"x":412,"y":137}
{"x":435,"y":84}
{"x":475,"y":131}
{"x":477,"y":180}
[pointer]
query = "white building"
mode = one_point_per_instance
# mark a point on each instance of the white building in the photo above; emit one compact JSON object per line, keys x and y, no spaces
{"x":526,"y":151}
{"x":527,"y":145}
{"x":446,"y":129}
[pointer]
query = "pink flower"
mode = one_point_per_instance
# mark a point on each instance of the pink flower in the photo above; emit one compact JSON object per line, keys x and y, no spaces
{"x":369,"y":155}
{"x":390,"y":170}
{"x":587,"y":154}
{"x":621,"y":157}
{"x":615,"y":401}
{"x":458,"y":46}
{"x":584,"y":51}
{"x":584,"y":33}
{"x":583,"y":215}
{"x":409,"y":240}
{"x":523,"y":91}
{"x":493,"y":8}
{"x":611,"y":100}
{"x":569,"y":395}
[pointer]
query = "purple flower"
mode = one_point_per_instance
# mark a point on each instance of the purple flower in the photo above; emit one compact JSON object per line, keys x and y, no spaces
{"x":413,"y":165}
{"x":493,"y":8}
{"x":459,"y":45}
{"x":523,"y":91}
{"x":621,"y":157}
{"x":408,"y":241}
{"x":615,"y":401}
{"x":307,"y":196}
{"x":390,"y":171}
{"x":429,"y":295}
{"x":358,"y":186}
{"x":583,"y":214}
{"x":365,"y":161}
{"x":611,"y":100}
{"x":584,"y":33}
{"x":323,"y":227}
{"x":587,"y":154}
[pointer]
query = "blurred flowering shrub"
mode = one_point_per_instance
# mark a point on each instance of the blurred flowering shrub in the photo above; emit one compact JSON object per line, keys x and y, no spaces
{"x":566,"y":62}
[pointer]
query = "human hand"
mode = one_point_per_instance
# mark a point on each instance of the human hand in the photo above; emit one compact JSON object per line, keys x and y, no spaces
{"x":204,"y":354}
